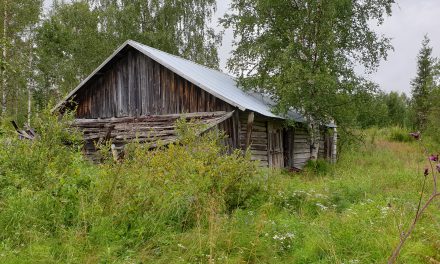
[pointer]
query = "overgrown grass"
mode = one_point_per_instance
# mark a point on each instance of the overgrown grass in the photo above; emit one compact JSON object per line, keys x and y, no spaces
{"x":191,"y":204}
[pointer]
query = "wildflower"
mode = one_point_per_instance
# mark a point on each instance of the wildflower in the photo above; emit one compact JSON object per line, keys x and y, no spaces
{"x":427,"y":170}
{"x":433,"y":157}
{"x":321,"y":206}
{"x":290,"y":235}
{"x":384,"y":211}
{"x":415,"y":135}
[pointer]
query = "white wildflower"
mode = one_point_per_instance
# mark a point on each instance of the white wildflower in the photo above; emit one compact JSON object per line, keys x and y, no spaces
{"x":321,"y":206}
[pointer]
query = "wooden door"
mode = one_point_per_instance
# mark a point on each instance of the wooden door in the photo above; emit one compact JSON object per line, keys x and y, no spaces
{"x":275,"y":145}
{"x":288,"y":139}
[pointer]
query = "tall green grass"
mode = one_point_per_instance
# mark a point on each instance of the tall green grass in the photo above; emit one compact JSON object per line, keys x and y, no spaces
{"x":190,"y":203}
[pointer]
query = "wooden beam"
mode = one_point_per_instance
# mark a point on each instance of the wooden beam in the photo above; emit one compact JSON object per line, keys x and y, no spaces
{"x":250,"y":123}
{"x":79,"y":122}
{"x":217,"y":121}
{"x":269,"y":144}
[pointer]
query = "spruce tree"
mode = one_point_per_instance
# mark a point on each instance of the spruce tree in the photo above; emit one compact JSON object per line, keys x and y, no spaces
{"x":423,"y":84}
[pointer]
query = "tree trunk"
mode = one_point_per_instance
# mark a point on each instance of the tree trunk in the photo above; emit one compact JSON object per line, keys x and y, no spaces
{"x":4,"y":55}
{"x":314,"y":139}
{"x":29,"y":110}
{"x":334,"y":145}
{"x":30,"y":80}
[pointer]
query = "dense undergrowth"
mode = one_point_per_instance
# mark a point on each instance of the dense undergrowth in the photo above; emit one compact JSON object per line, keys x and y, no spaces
{"x":190,"y":204}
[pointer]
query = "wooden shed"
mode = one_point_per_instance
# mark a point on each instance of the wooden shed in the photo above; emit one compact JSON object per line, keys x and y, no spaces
{"x":139,"y":92}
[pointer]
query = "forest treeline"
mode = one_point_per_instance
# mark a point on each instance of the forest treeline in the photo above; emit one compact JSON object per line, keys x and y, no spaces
{"x":46,"y":52}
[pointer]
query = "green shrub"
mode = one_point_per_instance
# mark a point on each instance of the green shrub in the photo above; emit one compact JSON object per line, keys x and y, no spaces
{"x":318,"y":167}
{"x":399,"y":135}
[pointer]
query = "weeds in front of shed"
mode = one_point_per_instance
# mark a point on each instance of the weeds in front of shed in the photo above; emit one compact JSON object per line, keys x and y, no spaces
{"x":189,"y":203}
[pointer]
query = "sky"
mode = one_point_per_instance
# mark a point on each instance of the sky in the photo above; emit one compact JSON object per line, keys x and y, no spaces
{"x":410,"y":21}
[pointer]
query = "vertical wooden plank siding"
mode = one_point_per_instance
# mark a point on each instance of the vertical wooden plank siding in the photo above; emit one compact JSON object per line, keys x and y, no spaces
{"x":136,"y":85}
{"x":275,"y":146}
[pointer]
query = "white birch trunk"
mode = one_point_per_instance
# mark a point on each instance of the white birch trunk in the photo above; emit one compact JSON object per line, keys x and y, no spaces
{"x":4,"y":54}
{"x":29,"y":110}
{"x":334,"y":145}
{"x":314,"y":139}
{"x":30,"y":83}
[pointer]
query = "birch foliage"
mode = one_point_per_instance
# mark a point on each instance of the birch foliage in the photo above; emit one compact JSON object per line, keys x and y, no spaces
{"x":76,"y":37}
{"x":304,"y":52}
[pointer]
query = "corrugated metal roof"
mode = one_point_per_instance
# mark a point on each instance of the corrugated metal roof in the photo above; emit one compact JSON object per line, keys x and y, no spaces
{"x":219,"y":84}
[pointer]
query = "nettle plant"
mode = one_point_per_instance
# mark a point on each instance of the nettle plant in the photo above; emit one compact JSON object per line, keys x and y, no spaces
{"x":430,"y":172}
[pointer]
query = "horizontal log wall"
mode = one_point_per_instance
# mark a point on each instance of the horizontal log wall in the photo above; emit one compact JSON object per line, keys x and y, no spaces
{"x":259,"y":137}
{"x":301,"y":147}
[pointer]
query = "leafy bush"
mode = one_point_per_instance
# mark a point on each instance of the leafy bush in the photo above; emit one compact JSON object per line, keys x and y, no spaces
{"x":318,"y":167}
{"x":399,"y":135}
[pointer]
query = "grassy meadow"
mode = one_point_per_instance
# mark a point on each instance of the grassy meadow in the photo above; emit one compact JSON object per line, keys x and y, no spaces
{"x":190,"y":204}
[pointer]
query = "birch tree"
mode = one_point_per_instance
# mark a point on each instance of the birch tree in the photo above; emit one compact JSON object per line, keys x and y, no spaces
{"x":76,"y":37}
{"x":17,"y":23}
{"x":303,"y":53}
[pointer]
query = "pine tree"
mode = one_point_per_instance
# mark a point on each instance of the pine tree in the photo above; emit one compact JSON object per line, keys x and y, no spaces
{"x":423,"y":84}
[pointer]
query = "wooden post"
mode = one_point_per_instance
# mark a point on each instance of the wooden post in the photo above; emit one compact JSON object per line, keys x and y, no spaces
{"x":269,"y":144}
{"x":250,"y":123}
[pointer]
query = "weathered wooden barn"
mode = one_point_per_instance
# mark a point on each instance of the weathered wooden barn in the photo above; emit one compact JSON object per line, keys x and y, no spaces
{"x":139,"y":92}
